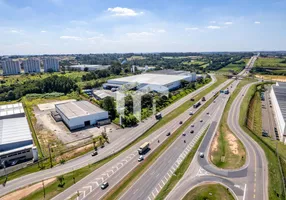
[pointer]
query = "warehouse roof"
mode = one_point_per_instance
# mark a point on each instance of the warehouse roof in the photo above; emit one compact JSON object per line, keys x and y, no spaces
{"x":156,"y":79}
{"x":11,"y":109}
{"x":14,"y":130}
{"x":78,"y":108}
{"x":280,"y":93}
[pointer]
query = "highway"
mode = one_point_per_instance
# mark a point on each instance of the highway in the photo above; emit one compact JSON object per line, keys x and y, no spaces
{"x":114,"y":146}
{"x":118,"y":168}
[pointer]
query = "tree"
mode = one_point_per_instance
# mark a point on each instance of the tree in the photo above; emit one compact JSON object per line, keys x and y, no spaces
{"x":147,"y":100}
{"x":108,"y":104}
{"x":85,"y":69}
{"x":129,"y":103}
{"x":61,"y":179}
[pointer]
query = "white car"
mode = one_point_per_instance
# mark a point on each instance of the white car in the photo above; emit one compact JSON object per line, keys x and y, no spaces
{"x":201,"y":120}
{"x":191,"y":113}
{"x":202,"y":155}
{"x":140,"y":158}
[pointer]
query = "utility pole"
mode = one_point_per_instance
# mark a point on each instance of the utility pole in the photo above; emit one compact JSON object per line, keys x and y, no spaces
{"x":50,"y":156}
{"x":44,"y":189}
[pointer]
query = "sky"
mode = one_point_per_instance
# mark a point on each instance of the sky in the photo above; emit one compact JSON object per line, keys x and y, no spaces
{"x":113,"y":26}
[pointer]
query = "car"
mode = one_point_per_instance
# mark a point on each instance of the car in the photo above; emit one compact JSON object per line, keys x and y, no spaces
{"x":214,"y":101}
{"x":191,"y":113}
{"x":208,"y":113}
{"x":201,"y":120}
{"x":104,"y":185}
{"x":140,"y":158}
{"x":202,"y":155}
{"x":184,"y":134}
{"x":192,"y":131}
{"x":264,"y":133}
{"x":94,"y":153}
{"x":192,"y":125}
{"x":168,"y":134}
{"x":102,"y":146}
{"x":181,"y":122}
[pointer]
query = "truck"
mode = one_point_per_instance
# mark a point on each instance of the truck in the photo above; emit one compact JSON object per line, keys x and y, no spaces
{"x":143,"y":148}
{"x":204,"y":99}
{"x":197,"y":104}
{"x":158,"y":116}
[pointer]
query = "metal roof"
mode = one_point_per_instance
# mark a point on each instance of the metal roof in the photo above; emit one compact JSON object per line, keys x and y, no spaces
{"x":78,"y":108}
{"x":11,"y":109}
{"x":14,"y":130}
{"x":155,"y":79}
{"x":280,"y":93}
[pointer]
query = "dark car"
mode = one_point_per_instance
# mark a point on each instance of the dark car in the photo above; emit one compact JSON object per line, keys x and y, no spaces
{"x":168,"y":134}
{"x":184,"y":134}
{"x":94,"y":153}
{"x":181,"y":122}
{"x":192,"y":131}
{"x":104,"y":185}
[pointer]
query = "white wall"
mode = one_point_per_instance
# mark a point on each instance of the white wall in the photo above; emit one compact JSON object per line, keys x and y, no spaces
{"x":278,"y":115}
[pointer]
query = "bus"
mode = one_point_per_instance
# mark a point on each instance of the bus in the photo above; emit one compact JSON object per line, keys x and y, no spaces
{"x":143,"y":148}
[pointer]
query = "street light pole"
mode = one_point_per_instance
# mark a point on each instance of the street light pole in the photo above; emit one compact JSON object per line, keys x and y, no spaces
{"x":50,"y":156}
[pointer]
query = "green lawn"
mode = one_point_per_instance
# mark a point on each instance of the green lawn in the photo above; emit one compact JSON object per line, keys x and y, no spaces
{"x":209,"y":192}
{"x":194,"y":62}
{"x":236,"y":66}
{"x":270,"y":65}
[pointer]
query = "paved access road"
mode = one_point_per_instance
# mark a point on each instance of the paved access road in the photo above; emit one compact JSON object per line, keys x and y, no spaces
{"x":130,"y":135}
{"x":118,"y":168}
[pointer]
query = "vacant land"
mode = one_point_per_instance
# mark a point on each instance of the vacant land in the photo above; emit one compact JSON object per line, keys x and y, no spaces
{"x":209,"y":191}
{"x":272,"y":77}
{"x":270,"y":65}
{"x":235,"y":67}
{"x":136,"y":58}
{"x":194,"y":62}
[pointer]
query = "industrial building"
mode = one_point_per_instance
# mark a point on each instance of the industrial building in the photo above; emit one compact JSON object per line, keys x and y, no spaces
{"x":11,"y":67}
{"x":156,"y":82}
{"x":278,"y":98}
{"x":88,"y":67}
{"x":32,"y":66}
{"x":51,"y":64}
{"x":78,"y":114}
{"x":16,"y":142}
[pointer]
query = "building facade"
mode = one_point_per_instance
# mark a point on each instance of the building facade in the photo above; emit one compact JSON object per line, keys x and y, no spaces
{"x":51,"y":65}
{"x":32,"y":66}
{"x":11,"y":67}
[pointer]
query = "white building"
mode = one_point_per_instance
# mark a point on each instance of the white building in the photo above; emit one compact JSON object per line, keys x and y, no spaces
{"x":51,"y":64}
{"x":163,"y":81}
{"x":11,"y":67}
{"x":32,"y":66}
{"x":78,"y":114}
{"x":16,"y":142}
{"x":278,"y":97}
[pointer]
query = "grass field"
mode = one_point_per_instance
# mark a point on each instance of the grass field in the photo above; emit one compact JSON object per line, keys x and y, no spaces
{"x":209,"y":192}
{"x":271,"y":65}
{"x":135,"y":58}
{"x":275,"y":184}
{"x":227,"y":151}
{"x":194,"y":62}
{"x":272,"y":77}
{"x":236,"y":67}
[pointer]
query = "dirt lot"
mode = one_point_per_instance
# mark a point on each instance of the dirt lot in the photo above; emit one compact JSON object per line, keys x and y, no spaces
{"x":48,"y":130}
{"x":19,"y":194}
{"x":273,"y":78}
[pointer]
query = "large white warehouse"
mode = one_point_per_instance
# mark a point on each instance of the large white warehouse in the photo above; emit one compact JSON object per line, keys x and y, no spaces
{"x":78,"y":114}
{"x":16,"y":142}
{"x":278,"y":97}
{"x":171,"y":82}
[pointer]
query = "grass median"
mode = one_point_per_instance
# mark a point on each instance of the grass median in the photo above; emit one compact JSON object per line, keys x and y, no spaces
{"x":275,"y":177}
{"x":227,"y":151}
{"x":79,"y":174}
{"x":180,"y":171}
{"x":128,"y":180}
{"x":211,"y":191}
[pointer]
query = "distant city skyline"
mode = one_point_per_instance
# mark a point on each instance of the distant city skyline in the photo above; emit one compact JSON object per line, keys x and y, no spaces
{"x":93,"y":26}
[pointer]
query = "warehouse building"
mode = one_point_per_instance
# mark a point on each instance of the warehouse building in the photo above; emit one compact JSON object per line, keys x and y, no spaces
{"x":32,"y":66}
{"x":150,"y":80}
{"x":79,"y":114}
{"x":11,"y":67}
{"x":16,"y":142}
{"x":278,"y":97}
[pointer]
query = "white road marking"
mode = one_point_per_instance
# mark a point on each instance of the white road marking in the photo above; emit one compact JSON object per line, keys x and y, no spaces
{"x":244,"y":192}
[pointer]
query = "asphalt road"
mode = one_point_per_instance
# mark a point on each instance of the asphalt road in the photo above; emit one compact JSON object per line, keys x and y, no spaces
{"x":119,"y":167}
{"x":130,"y":135}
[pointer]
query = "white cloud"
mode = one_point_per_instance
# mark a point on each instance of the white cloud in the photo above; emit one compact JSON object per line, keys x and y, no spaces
{"x":192,"y":29}
{"x":43,"y":31}
{"x":161,"y":31}
{"x":119,"y":11}
{"x":228,"y":23}
{"x":213,"y":27}
{"x":16,"y":31}
{"x":139,"y":34}
{"x":257,"y":22}
{"x":78,"y":22}
{"x":68,"y":37}
{"x":212,"y":22}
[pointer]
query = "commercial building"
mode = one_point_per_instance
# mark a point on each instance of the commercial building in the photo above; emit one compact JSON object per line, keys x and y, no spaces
{"x":278,"y":99}
{"x":151,"y":80}
{"x":32,"y":66}
{"x":78,"y":114}
{"x":16,"y":142}
{"x":11,"y":67}
{"x":51,"y":64}
{"x":101,"y":94}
